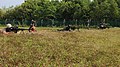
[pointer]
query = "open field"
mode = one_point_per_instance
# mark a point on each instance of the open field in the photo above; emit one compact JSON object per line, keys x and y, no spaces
{"x":49,"y":48}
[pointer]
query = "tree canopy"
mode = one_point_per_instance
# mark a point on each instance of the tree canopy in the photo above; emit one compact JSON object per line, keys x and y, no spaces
{"x":68,"y":10}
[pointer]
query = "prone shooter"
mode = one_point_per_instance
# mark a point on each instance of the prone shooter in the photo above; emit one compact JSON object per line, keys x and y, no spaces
{"x":15,"y":29}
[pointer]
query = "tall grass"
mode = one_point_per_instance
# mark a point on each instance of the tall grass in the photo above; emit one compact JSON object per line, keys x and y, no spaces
{"x":47,"y":48}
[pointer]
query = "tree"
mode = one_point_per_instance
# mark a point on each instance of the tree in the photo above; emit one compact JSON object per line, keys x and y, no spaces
{"x":68,"y":10}
{"x":1,"y":13}
{"x":114,"y":10}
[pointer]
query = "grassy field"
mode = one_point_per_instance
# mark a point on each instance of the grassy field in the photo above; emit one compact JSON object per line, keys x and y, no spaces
{"x":50,"y":48}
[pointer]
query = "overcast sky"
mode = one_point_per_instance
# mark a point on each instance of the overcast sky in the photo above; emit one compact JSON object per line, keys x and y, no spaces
{"x":8,"y":3}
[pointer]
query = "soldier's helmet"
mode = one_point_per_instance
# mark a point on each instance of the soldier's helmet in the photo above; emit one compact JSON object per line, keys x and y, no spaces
{"x":9,"y":25}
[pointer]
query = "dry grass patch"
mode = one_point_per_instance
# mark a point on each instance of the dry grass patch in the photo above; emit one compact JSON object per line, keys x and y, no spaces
{"x":87,"y":48}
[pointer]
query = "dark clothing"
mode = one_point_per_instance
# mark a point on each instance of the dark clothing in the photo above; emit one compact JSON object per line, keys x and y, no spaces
{"x":9,"y":29}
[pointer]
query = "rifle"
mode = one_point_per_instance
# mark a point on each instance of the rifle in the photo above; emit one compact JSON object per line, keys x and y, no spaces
{"x":19,"y":29}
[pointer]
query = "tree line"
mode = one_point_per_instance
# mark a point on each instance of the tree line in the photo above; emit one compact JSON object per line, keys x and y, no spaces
{"x":58,"y":13}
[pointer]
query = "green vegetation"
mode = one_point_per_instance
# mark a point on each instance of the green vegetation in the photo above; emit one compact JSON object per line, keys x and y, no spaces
{"x":49,"y":48}
{"x":55,"y":13}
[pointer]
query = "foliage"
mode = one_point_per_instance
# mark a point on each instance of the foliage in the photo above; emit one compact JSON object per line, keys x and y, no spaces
{"x":1,"y":14}
{"x":68,"y":10}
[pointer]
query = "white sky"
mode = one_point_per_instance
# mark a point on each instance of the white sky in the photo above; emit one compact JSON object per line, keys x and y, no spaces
{"x":8,"y":3}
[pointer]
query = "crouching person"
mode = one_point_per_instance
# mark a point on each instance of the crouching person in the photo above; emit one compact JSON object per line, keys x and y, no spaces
{"x":32,"y":27}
